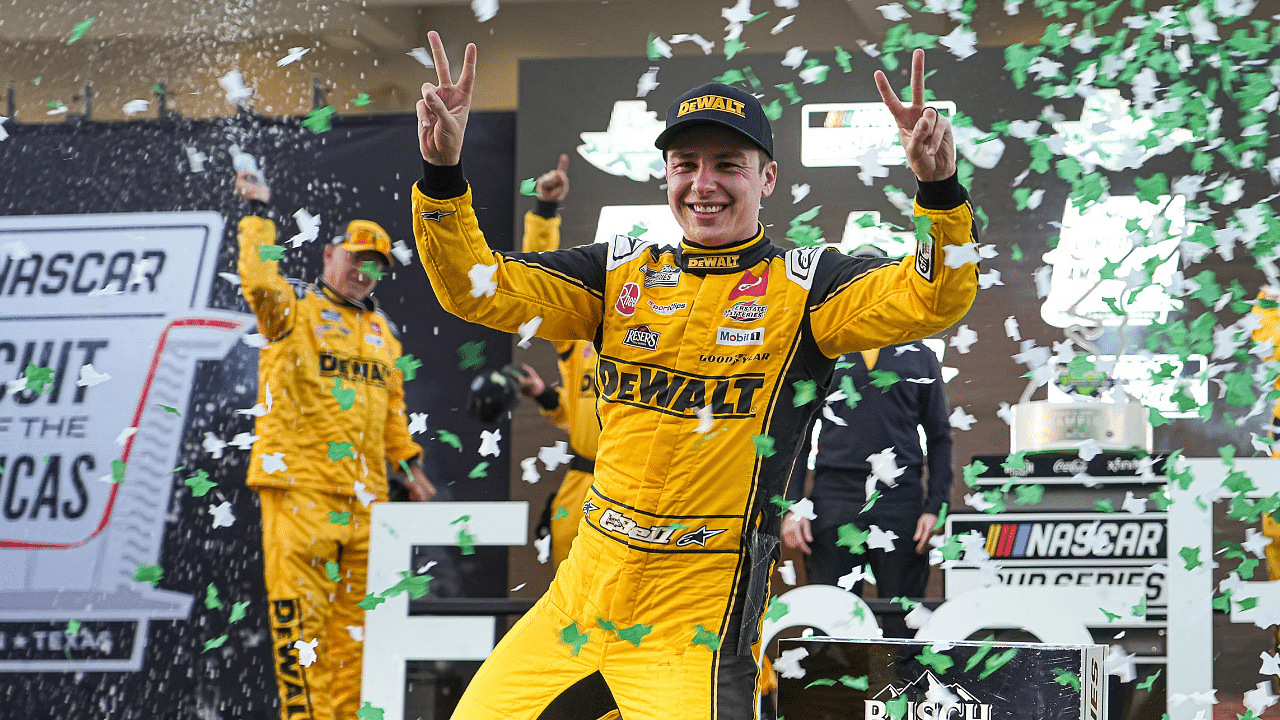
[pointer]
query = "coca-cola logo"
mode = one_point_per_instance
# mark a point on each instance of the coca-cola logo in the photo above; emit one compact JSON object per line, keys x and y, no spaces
{"x":1070,"y":467}
{"x":628,"y":299}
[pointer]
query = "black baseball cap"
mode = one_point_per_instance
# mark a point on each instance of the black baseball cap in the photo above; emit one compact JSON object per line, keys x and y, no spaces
{"x":718,"y":104}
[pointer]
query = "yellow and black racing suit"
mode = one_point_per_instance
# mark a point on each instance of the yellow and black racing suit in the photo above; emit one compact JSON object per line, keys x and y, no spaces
{"x":1268,"y":330}
{"x":663,"y":592}
{"x":334,"y":409}
{"x":574,"y":409}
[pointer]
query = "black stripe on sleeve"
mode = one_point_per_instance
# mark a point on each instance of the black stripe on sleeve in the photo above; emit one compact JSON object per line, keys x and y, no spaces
{"x":582,"y":265}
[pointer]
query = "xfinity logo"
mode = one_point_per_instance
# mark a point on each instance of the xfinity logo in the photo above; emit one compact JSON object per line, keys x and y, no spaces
{"x":732,"y":336}
{"x":641,"y":337}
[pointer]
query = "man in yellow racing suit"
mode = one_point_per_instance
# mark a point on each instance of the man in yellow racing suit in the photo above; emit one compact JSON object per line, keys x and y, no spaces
{"x":330,"y":409}
{"x":570,"y":406}
{"x":713,"y":356}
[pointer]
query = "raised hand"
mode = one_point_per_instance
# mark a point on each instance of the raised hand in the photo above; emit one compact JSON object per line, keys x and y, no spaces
{"x":444,"y":107}
{"x":926,"y":135}
{"x":553,"y":185}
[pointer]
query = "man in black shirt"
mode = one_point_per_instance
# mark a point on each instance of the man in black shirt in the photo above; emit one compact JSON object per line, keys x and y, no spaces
{"x":895,"y":390}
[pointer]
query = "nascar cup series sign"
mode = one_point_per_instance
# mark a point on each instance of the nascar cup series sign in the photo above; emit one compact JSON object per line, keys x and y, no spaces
{"x":114,"y":306}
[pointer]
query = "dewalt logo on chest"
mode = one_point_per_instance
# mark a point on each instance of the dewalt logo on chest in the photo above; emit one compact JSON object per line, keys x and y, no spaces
{"x":675,"y":393}
{"x":357,"y":369}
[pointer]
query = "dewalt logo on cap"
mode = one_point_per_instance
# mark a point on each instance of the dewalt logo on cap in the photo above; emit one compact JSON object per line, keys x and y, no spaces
{"x":712,"y":102}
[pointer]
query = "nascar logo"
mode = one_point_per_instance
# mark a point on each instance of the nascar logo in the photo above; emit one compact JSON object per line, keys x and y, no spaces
{"x":1135,"y":539}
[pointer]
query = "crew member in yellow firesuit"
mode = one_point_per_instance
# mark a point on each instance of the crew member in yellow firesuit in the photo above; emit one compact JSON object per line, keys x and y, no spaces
{"x":1269,"y":331}
{"x":714,"y":355}
{"x":333,"y":403}
{"x":571,"y":405}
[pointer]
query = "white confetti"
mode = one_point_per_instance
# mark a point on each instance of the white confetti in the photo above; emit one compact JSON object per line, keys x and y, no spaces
{"x":90,"y":377}
{"x":543,"y":546}
{"x":1256,"y":543}
{"x":518,"y":587}
{"x":960,"y":41}
{"x":254,"y":340}
{"x":195,"y":159}
{"x":788,"y":663}
{"x":893,"y":12}
{"x":234,"y":88}
{"x":848,"y":581}
{"x":306,"y":651}
{"x":960,"y":419}
{"x":402,"y":252}
{"x":648,"y":82}
{"x":988,"y":279}
{"x":244,"y":440}
{"x":963,"y":339}
{"x":489,"y":442}
{"x":795,"y":57}
{"x":961,"y":255}
{"x":133,"y":107}
{"x":916,"y":619}
{"x":706,"y":45}
{"x":258,"y":410}
{"x":484,"y":9}
{"x":738,"y":14}
{"x":799,"y":192}
{"x":356,"y":632}
{"x":1011,"y":328}
{"x":528,"y":330}
{"x":423,"y":56}
{"x":787,"y":571}
{"x":232,"y":278}
{"x":1260,"y":698}
{"x":212,"y":444}
{"x":4,"y":134}
{"x":129,"y":432}
{"x":803,"y":508}
{"x":1005,"y":413}
{"x":222,"y":516}
{"x":782,"y":24}
{"x":705,"y":420}
{"x":308,"y":227}
{"x":273,"y":463}
{"x":417,"y":423}
{"x":878,"y":539}
{"x":555,"y":456}
{"x":295,"y":54}
{"x":111,"y":289}
{"x":1133,"y":505}
{"x":482,"y":282}
{"x":529,"y":470}
{"x":363,"y":495}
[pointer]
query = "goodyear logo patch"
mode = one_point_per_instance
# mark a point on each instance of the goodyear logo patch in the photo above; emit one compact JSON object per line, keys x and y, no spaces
{"x":675,"y":393}
{"x":711,"y":102}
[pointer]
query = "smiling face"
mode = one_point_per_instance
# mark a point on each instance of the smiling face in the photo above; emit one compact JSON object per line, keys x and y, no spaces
{"x":715,"y":183}
{"x":342,"y":271}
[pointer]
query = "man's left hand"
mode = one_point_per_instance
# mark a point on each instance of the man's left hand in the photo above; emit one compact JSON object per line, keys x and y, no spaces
{"x":924,"y":531}
{"x":420,"y":488}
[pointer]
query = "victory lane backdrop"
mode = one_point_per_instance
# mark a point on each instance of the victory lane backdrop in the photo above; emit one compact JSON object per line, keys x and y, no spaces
{"x":211,"y":663}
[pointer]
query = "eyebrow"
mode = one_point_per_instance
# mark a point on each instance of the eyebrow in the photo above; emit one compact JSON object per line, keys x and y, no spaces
{"x":735,"y":153}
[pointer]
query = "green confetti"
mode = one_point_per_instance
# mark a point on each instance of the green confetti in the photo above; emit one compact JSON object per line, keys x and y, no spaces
{"x":789,"y":90}
{"x":772,"y":110}
{"x":571,"y":637}
{"x":730,"y":77}
{"x":370,"y":602}
{"x":331,"y":570}
{"x":466,"y":542}
{"x":408,"y":365}
{"x":848,"y":535}
{"x":820,"y":681}
{"x":805,"y":392}
{"x":781,"y":503}
{"x":1068,"y":678}
{"x":346,"y":397}
{"x":871,"y":501}
{"x":972,"y":472}
{"x":561,"y":512}
{"x":764,"y":445}
{"x":471,"y":354}
{"x":199,"y":483}
{"x":319,"y":120}
{"x":361,"y":100}
{"x":1111,"y":617}
{"x":1104,"y":505}
{"x":1016,"y":253}
{"x":942,"y":516}
{"x":904,"y":602}
{"x":862,"y":682}
{"x":777,"y":609}
{"x":214,"y":643}
{"x":635,"y":633}
{"x":731,"y":48}
{"x":237,"y":611}
{"x":842,"y":59}
{"x":339,"y":518}
{"x":481,"y":470}
{"x":607,"y":625}
{"x":996,"y":662}
{"x":372,"y":269}
{"x":73,"y":628}
{"x":979,"y":655}
{"x":118,"y":467}
{"x":529,"y":187}
{"x":368,"y":711}
{"x":415,"y":585}
{"x":270,"y":252}
{"x":1239,"y":389}
{"x":637,"y":230}
{"x":1029,"y":494}
{"x":171,"y":409}
{"x":703,"y":636}
{"x":148,"y":573}
{"x":923,"y":224}
{"x":1016,"y":461}
{"x":935,"y":660}
{"x":1140,"y":610}
{"x":449,"y":438}
{"x":38,"y":378}
{"x":896,"y":707}
{"x":1150,"y":189}
{"x":884,"y":379}
{"x":1149,"y":682}
{"x":340,"y":450}
{"x":651,"y":47}
{"x":211,"y":599}
{"x":1191,"y":557}
{"x":78,"y":32}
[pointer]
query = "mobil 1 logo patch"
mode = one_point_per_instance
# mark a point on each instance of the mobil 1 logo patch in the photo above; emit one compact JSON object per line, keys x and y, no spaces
{"x":739,"y":337}
{"x":641,"y":337}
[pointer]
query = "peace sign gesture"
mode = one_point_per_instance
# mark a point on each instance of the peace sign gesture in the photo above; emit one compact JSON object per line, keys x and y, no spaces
{"x":926,"y":135}
{"x":443,"y":109}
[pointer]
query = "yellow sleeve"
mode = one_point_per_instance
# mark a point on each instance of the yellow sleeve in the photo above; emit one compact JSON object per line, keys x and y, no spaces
{"x":270,"y":296}
{"x":565,"y":288}
{"x":859,"y":306}
{"x":399,"y":444}
{"x":540,"y":234}
{"x":1269,"y":330}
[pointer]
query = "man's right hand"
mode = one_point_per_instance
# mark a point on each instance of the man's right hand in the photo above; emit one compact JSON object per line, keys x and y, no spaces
{"x":249,"y":186}
{"x":531,"y":383}
{"x":553,"y":185}
{"x":796,"y":533}
{"x":443,"y":109}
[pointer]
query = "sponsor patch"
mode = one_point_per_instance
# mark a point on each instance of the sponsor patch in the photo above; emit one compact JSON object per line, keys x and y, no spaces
{"x":377,"y":329}
{"x":751,"y":285}
{"x":374,"y":340}
{"x":739,"y":336}
{"x":712,"y":102}
{"x":437,"y":215}
{"x":924,"y":259}
{"x":670,"y":309}
{"x":672,"y":392}
{"x":628,"y":298}
{"x":331,"y":315}
{"x":624,"y":248}
{"x":746,"y":311}
{"x":641,"y":337}
{"x":711,"y":262}
{"x":734,"y":359}
{"x":665,"y":276}
{"x":801,"y":264}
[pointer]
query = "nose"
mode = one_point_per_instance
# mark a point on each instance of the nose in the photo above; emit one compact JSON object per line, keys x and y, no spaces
{"x":703,"y":180}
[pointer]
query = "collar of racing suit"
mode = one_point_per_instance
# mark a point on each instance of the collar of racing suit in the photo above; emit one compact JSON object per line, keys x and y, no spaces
{"x":725,"y":259}
{"x":369,"y":304}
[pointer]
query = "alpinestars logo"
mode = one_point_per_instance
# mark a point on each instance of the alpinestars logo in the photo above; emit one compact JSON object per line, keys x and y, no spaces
{"x":436,"y":215}
{"x":641,"y":337}
{"x":665,"y":276}
{"x":969,"y":707}
{"x":699,"y":536}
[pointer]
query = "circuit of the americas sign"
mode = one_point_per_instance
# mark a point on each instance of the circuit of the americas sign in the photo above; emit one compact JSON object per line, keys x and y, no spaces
{"x":114,"y":305}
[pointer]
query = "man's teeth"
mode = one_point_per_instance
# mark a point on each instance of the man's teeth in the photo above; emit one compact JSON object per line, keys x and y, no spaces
{"x":707,"y":208}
